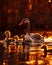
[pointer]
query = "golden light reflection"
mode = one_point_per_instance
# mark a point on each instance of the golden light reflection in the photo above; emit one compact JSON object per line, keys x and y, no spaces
{"x":50,"y":62}
{"x":31,"y":50}
{"x":49,"y":47}
{"x":30,"y":62}
{"x":40,"y":62}
{"x":49,"y":58}
{"x":20,"y":48}
{"x":11,"y":48}
{"x":49,"y":39}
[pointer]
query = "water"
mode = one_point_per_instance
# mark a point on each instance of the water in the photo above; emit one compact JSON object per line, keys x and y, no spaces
{"x":28,"y":57}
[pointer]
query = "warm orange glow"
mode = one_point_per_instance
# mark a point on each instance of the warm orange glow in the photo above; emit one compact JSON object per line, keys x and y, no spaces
{"x":3,"y":63}
{"x":40,"y":62}
{"x":32,"y":49}
{"x":9,"y":11}
{"x":30,"y":4}
{"x":42,"y":50}
{"x":20,"y":39}
{"x":49,"y":47}
{"x":20,"y":48}
{"x":30,"y":62}
{"x":30,"y":7}
{"x":50,"y":62}
{"x":16,"y":10}
{"x":30,"y":1}
{"x":49,"y":39}
{"x":11,"y":48}
{"x":49,"y":0}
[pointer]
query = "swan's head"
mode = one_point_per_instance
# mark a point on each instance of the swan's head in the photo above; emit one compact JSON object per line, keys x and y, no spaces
{"x":7,"y":33}
{"x":24,"y":21}
{"x":16,"y":37}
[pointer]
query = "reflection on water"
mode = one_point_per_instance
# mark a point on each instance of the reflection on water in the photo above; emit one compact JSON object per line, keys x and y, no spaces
{"x":28,"y":56}
{"x":25,"y":55}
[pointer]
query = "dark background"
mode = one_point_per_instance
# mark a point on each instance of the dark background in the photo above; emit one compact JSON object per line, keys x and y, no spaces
{"x":12,"y":12}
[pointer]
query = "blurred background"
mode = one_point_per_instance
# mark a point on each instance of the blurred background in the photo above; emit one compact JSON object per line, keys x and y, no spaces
{"x":12,"y":12}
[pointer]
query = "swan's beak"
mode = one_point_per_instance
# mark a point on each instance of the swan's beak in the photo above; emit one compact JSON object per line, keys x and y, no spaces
{"x":20,"y":23}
